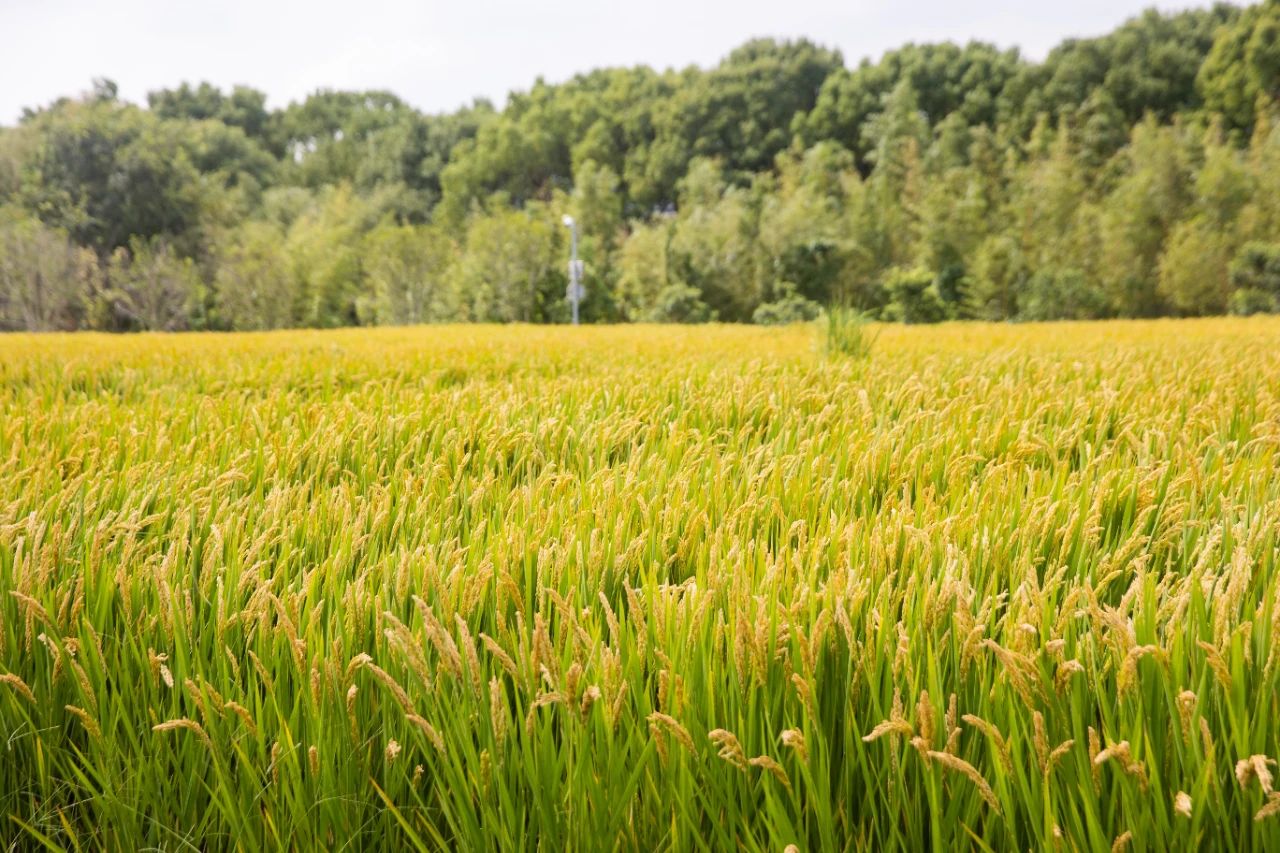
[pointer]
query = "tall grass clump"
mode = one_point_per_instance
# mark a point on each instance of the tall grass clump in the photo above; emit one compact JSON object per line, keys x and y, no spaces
{"x":846,"y":333}
{"x":642,"y":589}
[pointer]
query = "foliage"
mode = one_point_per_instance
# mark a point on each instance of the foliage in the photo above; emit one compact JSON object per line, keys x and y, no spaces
{"x":948,"y":79}
{"x":509,"y":271}
{"x":243,"y":107}
{"x":1193,"y":271}
{"x":1254,"y":275}
{"x":914,"y":297}
{"x":791,"y":308}
{"x":109,"y":174}
{"x":741,"y":111}
{"x":43,"y":277}
{"x":1117,"y":178}
{"x":255,"y":287}
{"x":642,"y":269}
{"x":679,"y":303}
{"x":1148,"y":66}
{"x":1242,"y":70}
{"x":150,"y":288}
{"x":408,"y":268}
{"x":1061,"y":294}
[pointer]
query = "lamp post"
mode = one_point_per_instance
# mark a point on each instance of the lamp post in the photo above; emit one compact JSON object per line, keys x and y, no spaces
{"x":576,"y":291}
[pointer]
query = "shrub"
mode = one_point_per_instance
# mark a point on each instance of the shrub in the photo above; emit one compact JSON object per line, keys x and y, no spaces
{"x":680,"y":303}
{"x":1255,"y":277}
{"x":791,"y":308}
{"x":914,"y":297}
{"x":1062,"y":295}
{"x":1251,"y":300}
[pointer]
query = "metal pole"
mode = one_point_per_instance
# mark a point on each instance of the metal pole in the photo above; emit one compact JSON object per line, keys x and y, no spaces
{"x":575,"y":267}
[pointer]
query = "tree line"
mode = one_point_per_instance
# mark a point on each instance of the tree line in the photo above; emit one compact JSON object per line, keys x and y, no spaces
{"x":1132,"y":175}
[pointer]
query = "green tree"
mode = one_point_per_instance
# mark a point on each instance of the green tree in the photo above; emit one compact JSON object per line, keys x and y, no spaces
{"x":1000,"y":274}
{"x":15,"y":144}
{"x":596,"y":204}
{"x":1243,"y":67}
{"x":45,"y":281}
{"x":150,"y":287}
{"x":410,"y":154}
{"x":509,"y":271}
{"x":110,"y":174}
{"x":1146,"y":66}
{"x":409,"y":270}
{"x":1119,"y":177}
{"x":244,"y":108}
{"x":642,"y":269}
{"x":1061,"y":293}
{"x":680,"y":303}
{"x":1151,"y":197}
{"x":802,"y":223}
{"x":1193,"y":269}
{"x":1254,"y":276}
{"x":887,"y":225}
{"x":913,"y":296}
{"x":325,"y":246}
{"x":946,"y":78}
{"x":715,"y":249}
{"x":741,"y":111}
{"x":255,"y":286}
{"x":1260,"y":218}
{"x":789,"y":307}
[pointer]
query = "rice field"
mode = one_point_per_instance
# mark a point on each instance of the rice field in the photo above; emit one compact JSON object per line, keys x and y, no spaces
{"x":644,"y":588}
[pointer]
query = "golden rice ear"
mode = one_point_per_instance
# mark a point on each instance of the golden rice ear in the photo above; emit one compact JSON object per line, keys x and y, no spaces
{"x":87,"y":720}
{"x":773,"y":768}
{"x":730,"y":749}
{"x":659,"y":721}
{"x":183,"y":723}
{"x":963,"y":767}
{"x":18,"y":685}
{"x":793,"y":739}
{"x":1270,"y":809}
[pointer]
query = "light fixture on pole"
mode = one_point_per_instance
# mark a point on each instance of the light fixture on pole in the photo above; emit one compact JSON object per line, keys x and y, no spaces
{"x":576,"y":290}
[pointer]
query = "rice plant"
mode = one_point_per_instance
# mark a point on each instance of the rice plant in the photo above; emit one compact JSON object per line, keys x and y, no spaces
{"x":846,"y":333}
{"x":642,"y":588}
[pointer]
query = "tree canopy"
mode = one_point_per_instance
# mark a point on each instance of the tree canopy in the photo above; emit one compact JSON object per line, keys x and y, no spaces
{"x":1132,"y":174}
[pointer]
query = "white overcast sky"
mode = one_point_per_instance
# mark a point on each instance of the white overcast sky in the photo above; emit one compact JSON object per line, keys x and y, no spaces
{"x":439,"y":55}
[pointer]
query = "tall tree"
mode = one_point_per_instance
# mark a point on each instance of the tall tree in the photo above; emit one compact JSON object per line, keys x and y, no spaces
{"x":244,"y":107}
{"x":946,"y":78}
{"x":110,"y":173}
{"x":1242,"y":70}
{"x":44,"y":279}
{"x":409,"y":268}
{"x":255,"y":286}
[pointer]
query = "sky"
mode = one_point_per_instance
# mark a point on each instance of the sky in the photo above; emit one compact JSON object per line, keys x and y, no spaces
{"x":440,"y":55}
